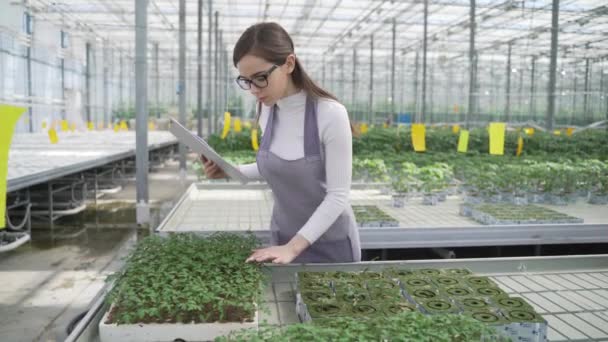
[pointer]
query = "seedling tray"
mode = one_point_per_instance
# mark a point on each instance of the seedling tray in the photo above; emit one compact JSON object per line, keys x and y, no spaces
{"x":168,"y":332}
{"x":369,"y":216}
{"x":510,"y":214}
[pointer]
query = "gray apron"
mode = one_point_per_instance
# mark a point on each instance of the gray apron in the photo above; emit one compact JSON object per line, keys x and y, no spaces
{"x":298,"y":187}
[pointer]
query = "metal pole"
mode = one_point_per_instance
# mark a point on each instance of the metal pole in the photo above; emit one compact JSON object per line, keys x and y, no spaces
{"x":30,"y":112}
{"x":199,"y":76}
{"x":88,"y":80}
{"x":209,"y":81}
{"x":220,"y":76}
{"x":553,"y":65}
{"x":586,"y":96}
{"x":106,"y":84}
{"x":371,"y":80}
{"x":393,"y":112}
{"x":141,"y":108}
{"x":182,"y":83}
{"x":431,"y":88}
{"x":471,"y":110}
{"x":341,"y":81}
{"x":226,"y":78}
{"x":424,"y":58}
{"x":532,"y":90}
{"x":574,"y":94}
{"x":415,"y":118}
{"x":63,"y":111}
{"x":520,"y":92}
{"x":508,"y":91}
{"x":216,"y":74}
{"x":354,"y":71}
{"x":121,"y":87}
{"x":157,"y":80}
{"x":323,"y":72}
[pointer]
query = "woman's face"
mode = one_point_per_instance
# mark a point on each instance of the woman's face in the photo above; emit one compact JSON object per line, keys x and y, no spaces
{"x":255,"y":68}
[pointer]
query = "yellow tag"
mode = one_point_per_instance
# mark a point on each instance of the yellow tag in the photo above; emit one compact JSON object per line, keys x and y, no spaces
{"x":557,"y":132}
{"x":90,"y":126}
{"x":529,"y":131}
{"x":44,"y":125}
{"x":53,"y":136}
{"x":9,"y":115}
{"x":455,"y":129}
{"x":254,"y":139}
{"x":418,"y":137}
{"x":238,"y":127}
{"x":497,"y":138}
{"x":116,"y":128}
{"x":364,"y":128}
{"x":520,"y":146}
{"x":64,"y":126}
{"x":151,"y":126}
{"x":385,"y":125}
{"x":226,"y":129}
{"x":569,"y":131}
{"x":463,"y":141}
{"x":123,"y":126}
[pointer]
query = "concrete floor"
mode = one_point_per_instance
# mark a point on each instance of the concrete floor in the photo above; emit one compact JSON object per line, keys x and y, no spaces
{"x":49,"y":281}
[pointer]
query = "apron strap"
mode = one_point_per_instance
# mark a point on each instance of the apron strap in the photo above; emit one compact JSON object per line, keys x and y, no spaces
{"x":312,"y":143}
{"x":267,"y":137}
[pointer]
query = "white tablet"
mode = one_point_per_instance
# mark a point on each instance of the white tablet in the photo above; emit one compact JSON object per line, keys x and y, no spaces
{"x":200,"y":146}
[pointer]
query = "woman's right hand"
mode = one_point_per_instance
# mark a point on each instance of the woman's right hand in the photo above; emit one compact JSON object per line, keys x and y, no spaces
{"x":212,"y":171}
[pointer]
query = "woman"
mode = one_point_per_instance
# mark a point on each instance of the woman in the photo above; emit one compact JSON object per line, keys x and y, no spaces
{"x":305,"y":154}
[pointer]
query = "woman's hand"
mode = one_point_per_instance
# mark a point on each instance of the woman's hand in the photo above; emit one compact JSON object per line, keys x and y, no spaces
{"x":283,"y":254}
{"x":212,"y":171}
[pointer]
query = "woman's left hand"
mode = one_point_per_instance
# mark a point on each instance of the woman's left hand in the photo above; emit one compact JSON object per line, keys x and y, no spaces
{"x":283,"y":254}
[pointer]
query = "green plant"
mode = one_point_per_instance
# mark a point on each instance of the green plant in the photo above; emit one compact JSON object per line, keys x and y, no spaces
{"x":184,"y":278}
{"x":394,"y":327}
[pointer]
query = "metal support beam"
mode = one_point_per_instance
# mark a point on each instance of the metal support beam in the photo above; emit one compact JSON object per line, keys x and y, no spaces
{"x":141,"y":109}
{"x":472,"y":110}
{"x":157,"y":80}
{"x":209,"y":81}
{"x":106,"y":84}
{"x":552,"y":66}
{"x":182,"y":83}
{"x":393,"y":112}
{"x":508,"y":89}
{"x":424,"y":61}
{"x":532,"y":89}
{"x":586,"y":95}
{"x":199,"y":76}
{"x":87,"y":75}
{"x":371,"y":79}
{"x":216,"y":73}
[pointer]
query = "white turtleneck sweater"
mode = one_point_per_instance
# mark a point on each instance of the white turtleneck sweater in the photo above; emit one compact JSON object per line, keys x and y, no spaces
{"x":336,"y":151}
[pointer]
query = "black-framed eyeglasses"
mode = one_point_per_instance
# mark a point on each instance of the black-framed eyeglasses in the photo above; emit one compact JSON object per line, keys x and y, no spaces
{"x":260,"y":80}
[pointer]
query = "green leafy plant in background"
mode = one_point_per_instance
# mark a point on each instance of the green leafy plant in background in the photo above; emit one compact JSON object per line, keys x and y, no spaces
{"x":185,"y":278}
{"x":410,"y":326}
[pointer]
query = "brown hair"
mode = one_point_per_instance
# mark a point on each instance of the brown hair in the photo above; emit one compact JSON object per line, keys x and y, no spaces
{"x":272,"y":43}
